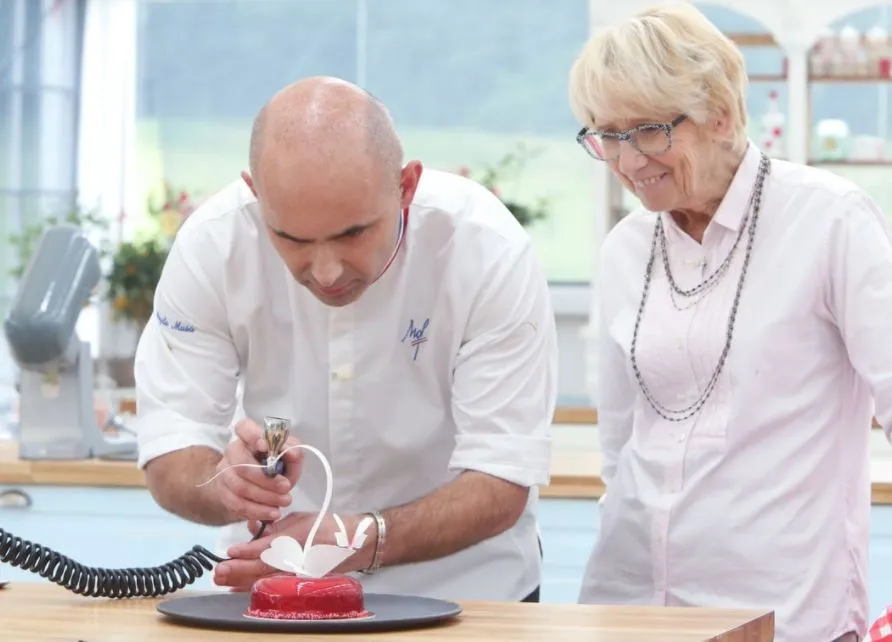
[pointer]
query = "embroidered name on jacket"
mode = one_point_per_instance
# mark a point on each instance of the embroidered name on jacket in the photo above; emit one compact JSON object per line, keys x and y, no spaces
{"x":179,"y":326}
{"x":416,"y":336}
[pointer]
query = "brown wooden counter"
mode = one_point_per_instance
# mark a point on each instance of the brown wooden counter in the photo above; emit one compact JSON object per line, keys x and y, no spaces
{"x":32,"y":612}
{"x":574,"y":473}
{"x":588,"y":416}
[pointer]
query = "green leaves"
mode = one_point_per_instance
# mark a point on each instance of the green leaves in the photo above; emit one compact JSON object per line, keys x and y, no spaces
{"x":134,"y":274}
{"x":507,"y":168}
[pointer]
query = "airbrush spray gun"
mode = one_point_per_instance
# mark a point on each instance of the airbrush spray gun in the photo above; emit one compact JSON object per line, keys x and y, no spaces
{"x":137,"y":582}
{"x":275,"y":433}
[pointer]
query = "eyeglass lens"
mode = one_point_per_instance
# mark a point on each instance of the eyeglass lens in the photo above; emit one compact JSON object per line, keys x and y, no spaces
{"x":648,"y":141}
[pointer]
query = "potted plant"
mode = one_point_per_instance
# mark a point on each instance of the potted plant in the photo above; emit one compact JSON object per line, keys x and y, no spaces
{"x":134,"y":273}
{"x":510,"y":165}
{"x":136,"y":265}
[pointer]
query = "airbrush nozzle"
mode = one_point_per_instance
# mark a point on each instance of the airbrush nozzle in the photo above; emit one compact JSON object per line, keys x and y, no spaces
{"x":275,"y":432}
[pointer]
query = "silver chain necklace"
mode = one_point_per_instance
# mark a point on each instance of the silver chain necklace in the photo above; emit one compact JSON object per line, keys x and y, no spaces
{"x":755,"y":204}
{"x":702,"y":290}
{"x":675,"y":298}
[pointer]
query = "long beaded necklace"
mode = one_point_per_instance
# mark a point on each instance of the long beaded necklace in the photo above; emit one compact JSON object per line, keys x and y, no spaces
{"x":683,"y":414}
{"x":701,"y":290}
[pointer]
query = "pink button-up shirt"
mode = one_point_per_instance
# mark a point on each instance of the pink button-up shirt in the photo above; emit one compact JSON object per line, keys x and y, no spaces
{"x":762,"y":499}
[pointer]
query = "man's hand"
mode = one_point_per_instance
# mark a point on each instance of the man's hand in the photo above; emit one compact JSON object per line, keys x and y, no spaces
{"x":246,"y":567}
{"x":246,"y":492}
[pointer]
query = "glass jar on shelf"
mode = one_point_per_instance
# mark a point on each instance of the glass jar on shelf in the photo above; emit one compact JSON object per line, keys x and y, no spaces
{"x":877,"y":45}
{"x":850,"y":48}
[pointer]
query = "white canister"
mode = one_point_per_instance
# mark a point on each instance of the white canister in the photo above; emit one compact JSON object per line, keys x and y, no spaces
{"x":832,"y":139}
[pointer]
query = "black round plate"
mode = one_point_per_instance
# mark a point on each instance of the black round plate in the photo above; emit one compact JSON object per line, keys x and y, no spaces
{"x":389,"y":613}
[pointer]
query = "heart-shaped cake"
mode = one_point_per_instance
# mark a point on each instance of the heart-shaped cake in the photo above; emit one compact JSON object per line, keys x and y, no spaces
{"x":292,"y":597}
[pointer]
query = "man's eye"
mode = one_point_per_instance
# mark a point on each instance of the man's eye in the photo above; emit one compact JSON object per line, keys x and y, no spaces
{"x":354,"y":232}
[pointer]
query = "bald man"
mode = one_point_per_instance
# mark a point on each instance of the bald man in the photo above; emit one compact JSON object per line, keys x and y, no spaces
{"x":397,"y":316}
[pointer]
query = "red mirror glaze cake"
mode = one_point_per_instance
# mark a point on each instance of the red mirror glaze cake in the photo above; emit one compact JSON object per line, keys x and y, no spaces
{"x":292,"y":597}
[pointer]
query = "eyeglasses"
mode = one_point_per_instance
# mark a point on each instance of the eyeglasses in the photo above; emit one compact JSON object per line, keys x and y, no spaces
{"x":650,"y":139}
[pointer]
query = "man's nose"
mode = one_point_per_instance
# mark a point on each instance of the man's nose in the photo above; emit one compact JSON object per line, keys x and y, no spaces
{"x":630,"y":159}
{"x":327,"y":268}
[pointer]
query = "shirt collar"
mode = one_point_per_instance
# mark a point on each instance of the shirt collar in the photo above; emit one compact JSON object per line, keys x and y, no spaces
{"x":734,"y":205}
{"x":401,"y":236}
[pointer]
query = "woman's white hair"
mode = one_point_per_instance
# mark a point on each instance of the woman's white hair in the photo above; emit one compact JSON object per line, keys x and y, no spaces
{"x":665,"y":61}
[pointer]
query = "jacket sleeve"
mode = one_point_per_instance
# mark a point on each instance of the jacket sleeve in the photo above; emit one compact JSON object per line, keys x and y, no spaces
{"x":505,"y":378}
{"x":186,"y":365}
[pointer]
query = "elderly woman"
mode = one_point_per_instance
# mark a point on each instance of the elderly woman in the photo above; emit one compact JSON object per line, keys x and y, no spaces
{"x":745,"y":320}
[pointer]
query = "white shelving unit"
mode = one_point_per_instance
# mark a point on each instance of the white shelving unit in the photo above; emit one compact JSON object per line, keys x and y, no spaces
{"x":793,"y":27}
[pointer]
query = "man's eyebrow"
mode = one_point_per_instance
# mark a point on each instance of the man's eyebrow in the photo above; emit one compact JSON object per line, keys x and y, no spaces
{"x":353,"y":229}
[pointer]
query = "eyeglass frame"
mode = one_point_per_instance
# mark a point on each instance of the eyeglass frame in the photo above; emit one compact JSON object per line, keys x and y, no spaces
{"x":627,"y":136}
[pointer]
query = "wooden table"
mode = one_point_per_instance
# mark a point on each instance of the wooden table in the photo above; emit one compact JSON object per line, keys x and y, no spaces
{"x":45,"y":612}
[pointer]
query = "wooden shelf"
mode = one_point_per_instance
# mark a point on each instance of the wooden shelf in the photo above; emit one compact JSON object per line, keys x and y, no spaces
{"x":849,"y":79}
{"x":821,"y":79}
{"x":753,"y":39}
{"x":851,"y":163}
{"x":767,"y":77}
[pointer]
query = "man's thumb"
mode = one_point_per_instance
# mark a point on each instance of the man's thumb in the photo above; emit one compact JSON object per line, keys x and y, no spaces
{"x":251,"y":434}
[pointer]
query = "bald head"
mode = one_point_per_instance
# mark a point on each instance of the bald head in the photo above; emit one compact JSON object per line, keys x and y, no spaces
{"x":332,"y":191}
{"x":325,"y":122}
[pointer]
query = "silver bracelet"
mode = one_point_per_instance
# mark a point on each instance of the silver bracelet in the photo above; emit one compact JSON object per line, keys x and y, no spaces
{"x":379,"y":543}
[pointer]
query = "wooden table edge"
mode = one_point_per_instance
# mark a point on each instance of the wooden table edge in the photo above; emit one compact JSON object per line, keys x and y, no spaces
{"x":761,"y":627}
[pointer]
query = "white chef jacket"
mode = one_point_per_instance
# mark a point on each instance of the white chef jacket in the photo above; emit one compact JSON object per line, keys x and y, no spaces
{"x":397,"y":412}
{"x":763,"y":499}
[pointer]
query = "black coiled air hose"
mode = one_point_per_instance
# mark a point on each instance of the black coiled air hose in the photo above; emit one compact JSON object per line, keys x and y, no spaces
{"x":103,"y":582}
{"x":91,"y":581}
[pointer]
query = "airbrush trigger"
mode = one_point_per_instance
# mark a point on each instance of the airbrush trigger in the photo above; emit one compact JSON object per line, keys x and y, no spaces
{"x":275,"y":433}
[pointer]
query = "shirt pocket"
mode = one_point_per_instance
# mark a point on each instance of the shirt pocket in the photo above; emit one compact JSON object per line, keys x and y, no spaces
{"x":710,"y":427}
{"x":673,"y":387}
{"x":707,"y":430}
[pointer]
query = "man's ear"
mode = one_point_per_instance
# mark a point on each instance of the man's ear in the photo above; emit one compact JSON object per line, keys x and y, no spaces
{"x":249,"y":182}
{"x":409,"y":178}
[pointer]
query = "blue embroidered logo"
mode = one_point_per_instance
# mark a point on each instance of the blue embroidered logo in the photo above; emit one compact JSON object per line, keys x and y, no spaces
{"x":179,"y":326}
{"x":415,"y":336}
